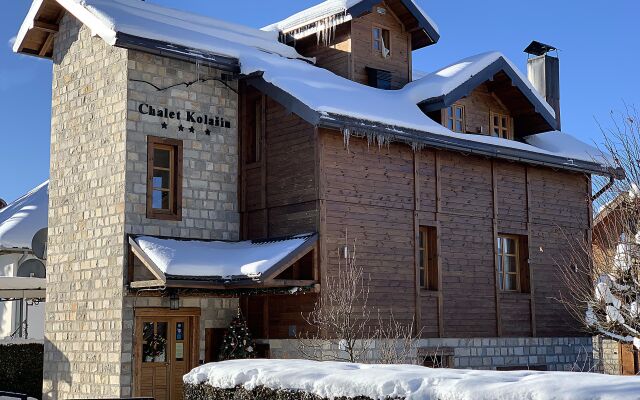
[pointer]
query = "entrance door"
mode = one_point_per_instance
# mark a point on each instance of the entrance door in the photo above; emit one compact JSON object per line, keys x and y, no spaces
{"x":165,"y":344}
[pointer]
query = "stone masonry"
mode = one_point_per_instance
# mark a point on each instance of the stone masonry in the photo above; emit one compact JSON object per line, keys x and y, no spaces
{"x":86,"y":253}
{"x":98,"y":197}
{"x":555,"y":354}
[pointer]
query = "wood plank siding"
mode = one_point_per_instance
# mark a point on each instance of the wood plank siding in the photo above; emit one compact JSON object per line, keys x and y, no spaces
{"x":308,"y":181}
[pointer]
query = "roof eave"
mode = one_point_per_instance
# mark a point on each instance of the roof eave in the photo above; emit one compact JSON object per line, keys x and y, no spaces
{"x":443,"y":142}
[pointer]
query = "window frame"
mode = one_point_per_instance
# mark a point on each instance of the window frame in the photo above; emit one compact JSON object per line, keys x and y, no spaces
{"x":175,"y":146}
{"x":504,"y":132}
{"x":446,"y":119}
{"x":501,"y":273}
{"x":254,"y":128}
{"x":428,"y":274}
{"x":387,"y":42}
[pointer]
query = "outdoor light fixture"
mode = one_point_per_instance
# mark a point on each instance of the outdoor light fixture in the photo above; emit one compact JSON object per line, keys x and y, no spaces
{"x":174,"y":301}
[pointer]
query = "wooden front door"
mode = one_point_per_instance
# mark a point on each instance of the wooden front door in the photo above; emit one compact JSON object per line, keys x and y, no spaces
{"x":165,"y":350}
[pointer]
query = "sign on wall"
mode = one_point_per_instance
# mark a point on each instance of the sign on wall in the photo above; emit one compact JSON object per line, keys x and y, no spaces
{"x":192,"y":121}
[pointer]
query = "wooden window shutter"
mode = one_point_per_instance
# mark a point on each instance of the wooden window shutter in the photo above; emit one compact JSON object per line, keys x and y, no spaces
{"x":628,"y":359}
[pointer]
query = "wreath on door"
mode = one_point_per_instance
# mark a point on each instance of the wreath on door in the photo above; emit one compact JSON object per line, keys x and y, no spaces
{"x":155,"y":347}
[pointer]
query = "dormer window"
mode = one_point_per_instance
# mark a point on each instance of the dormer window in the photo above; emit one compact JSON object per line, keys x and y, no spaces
{"x":501,"y":126}
{"x":381,"y":41}
{"x":453,"y":118}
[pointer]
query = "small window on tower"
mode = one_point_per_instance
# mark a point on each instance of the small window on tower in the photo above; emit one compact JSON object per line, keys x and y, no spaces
{"x":381,"y":41}
{"x":164,"y":178}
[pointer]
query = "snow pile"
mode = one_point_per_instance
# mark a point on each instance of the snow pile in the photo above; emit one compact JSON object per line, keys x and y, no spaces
{"x":23,"y":218}
{"x":565,"y":145}
{"x":333,"y":379}
{"x":217,"y":259}
{"x":444,"y":81}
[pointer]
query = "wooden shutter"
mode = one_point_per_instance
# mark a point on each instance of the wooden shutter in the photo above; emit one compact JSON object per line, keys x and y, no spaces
{"x":628,"y":359}
{"x":525,"y":275}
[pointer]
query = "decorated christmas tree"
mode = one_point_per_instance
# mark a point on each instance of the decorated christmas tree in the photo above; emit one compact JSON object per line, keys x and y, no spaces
{"x":237,"y":343}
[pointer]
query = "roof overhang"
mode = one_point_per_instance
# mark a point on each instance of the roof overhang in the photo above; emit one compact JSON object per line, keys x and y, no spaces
{"x":487,"y":75}
{"x":267,"y":280}
{"x":421,"y":138}
{"x":37,"y":32}
{"x":423,"y":32}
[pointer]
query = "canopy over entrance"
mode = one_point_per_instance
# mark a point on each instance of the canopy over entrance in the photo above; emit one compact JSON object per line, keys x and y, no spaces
{"x":22,"y":288}
{"x":217,"y":265}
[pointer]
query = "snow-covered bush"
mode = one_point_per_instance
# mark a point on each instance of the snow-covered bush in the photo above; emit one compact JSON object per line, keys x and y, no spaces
{"x":313,"y":380}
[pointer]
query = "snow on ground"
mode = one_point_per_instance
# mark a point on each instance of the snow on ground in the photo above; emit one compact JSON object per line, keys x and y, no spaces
{"x":23,"y":218}
{"x":223,"y":259}
{"x":333,"y":379}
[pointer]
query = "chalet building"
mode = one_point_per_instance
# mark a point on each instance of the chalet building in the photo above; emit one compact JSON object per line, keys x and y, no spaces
{"x":199,"y":166}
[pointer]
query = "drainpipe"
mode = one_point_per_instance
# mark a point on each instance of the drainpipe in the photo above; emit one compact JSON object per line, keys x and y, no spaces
{"x":604,"y":188}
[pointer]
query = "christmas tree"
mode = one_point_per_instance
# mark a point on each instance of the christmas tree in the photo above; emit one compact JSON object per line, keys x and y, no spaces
{"x":237,"y":343}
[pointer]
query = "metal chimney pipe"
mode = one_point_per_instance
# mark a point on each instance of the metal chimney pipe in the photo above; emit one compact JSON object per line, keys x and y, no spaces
{"x":543,"y":71}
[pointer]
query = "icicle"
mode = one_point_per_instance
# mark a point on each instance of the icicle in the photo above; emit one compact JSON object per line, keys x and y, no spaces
{"x":346,"y":136}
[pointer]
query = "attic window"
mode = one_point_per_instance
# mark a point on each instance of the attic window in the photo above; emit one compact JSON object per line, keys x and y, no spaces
{"x":381,"y":41}
{"x":454,"y":118}
{"x":501,"y":126}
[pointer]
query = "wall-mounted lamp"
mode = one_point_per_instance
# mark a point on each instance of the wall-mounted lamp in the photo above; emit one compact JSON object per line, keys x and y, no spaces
{"x":174,"y":301}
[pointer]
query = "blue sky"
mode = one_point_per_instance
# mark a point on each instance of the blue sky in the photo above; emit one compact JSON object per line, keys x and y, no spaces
{"x":600,"y":62}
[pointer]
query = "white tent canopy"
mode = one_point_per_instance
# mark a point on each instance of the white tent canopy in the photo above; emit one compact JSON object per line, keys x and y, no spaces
{"x":22,"y":288}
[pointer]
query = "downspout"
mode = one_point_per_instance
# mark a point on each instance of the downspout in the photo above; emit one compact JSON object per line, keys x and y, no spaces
{"x":606,"y":187}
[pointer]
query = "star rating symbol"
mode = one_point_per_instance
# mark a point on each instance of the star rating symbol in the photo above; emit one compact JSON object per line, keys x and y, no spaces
{"x":164,"y":125}
{"x":207,"y":132}
{"x":181,"y":128}
{"x":192,"y":129}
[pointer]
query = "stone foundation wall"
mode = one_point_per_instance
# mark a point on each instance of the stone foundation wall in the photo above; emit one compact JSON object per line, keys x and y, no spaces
{"x":607,"y":354}
{"x":556,"y":354}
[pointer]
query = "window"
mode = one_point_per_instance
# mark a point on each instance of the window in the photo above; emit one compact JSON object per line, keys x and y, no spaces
{"x":164,"y":178}
{"x":381,"y":41}
{"x":253,"y":131}
{"x":513,"y":263}
{"x":501,"y":126}
{"x":428,"y":258}
{"x":454,"y":119}
{"x":439,"y":357}
{"x":508,"y":263}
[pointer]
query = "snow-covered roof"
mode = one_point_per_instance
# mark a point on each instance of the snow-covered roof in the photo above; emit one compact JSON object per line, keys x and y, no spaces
{"x":565,"y":145}
{"x":411,"y":382}
{"x":465,"y":75}
{"x":315,"y":94}
{"x":23,"y":218}
{"x":216,"y":259}
{"x":110,"y":19}
{"x":334,"y":12}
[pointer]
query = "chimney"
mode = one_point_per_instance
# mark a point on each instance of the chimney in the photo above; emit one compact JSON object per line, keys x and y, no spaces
{"x":543,"y":70}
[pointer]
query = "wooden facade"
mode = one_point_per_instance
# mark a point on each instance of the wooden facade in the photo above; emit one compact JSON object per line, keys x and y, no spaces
{"x":309,"y":180}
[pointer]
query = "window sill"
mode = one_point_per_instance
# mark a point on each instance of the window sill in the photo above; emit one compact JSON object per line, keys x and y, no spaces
{"x":429,"y":293}
{"x":164,"y":217}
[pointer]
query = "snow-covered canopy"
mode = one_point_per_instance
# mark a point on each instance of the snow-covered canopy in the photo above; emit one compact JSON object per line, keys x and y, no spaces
{"x":333,"y":379}
{"x":22,"y":288}
{"x":206,"y":259}
{"x":23,"y":218}
{"x":316,"y":94}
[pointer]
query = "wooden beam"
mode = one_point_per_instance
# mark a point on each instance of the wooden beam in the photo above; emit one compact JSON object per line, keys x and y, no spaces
{"x":532,"y":299}
{"x":286,"y":262}
{"x":289,"y":283}
{"x":144,"y":258}
{"x":494,"y":184}
{"x":147,"y":284}
{"x":46,"y":46}
{"x":45,"y":26}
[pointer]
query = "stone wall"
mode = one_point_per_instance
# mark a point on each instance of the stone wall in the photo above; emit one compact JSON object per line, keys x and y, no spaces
{"x":86,"y":251}
{"x":555,"y":353}
{"x":210,"y":171}
{"x":607,"y":354}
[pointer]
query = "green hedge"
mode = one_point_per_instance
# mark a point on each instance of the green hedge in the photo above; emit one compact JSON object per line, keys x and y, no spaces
{"x":205,"y":392}
{"x":21,"y":368}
